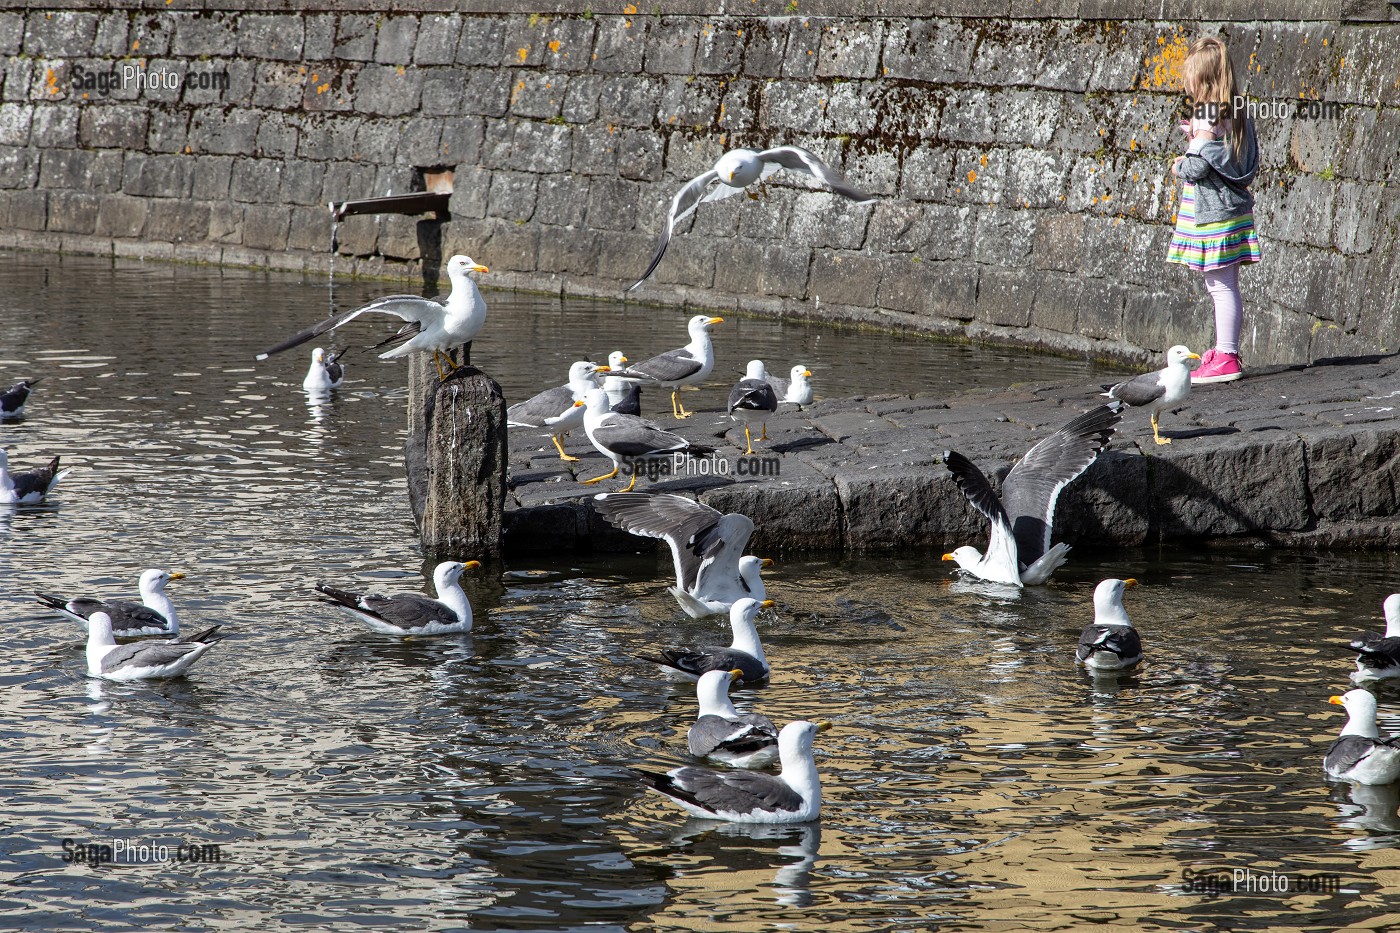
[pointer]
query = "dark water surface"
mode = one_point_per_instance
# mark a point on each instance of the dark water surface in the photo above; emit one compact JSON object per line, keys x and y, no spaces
{"x":973,"y":779}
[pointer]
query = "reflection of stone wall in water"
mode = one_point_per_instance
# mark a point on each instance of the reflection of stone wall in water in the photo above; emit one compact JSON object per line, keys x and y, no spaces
{"x":1022,"y":162}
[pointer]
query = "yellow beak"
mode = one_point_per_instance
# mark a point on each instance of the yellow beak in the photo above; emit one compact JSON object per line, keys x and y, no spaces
{"x":1193,"y":356}
{"x":768,"y":604}
{"x":1335,"y":701}
{"x":766,"y":562}
{"x":624,"y":359}
{"x":1129,"y":583}
{"x":177,"y":576}
{"x":578,"y":404}
{"x":823,"y":726}
{"x":949,"y":557}
{"x":478,"y":268}
{"x":806,"y":372}
{"x":604,"y":369}
{"x":715,"y":320}
{"x":735,"y":675}
{"x":472,"y":564}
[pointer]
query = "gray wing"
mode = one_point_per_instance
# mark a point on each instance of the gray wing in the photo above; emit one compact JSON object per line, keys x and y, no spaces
{"x":801,"y":160}
{"x":1122,"y":640}
{"x":408,"y":610}
{"x":38,"y":481}
{"x":412,"y":308}
{"x":146,"y":654}
{"x":630,"y":436}
{"x":1377,"y":653}
{"x":1349,"y":751}
{"x":126,"y":616}
{"x":692,"y":529}
{"x":1031,"y":489}
{"x":753,"y":395}
{"x":549,"y":404}
{"x":1139,"y":390}
{"x":734,"y":791}
{"x":670,"y":366}
{"x":715,"y":733}
{"x":780,"y":386}
{"x":681,"y":205}
{"x":698,"y":661}
{"x":14,"y":397}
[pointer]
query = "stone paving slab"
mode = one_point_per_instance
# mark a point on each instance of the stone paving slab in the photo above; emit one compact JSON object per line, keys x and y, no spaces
{"x":1290,"y":455}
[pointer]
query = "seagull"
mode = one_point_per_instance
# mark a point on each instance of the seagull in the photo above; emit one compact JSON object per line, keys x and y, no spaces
{"x":1379,"y":657}
{"x":432,"y":324}
{"x":707,"y":547}
{"x":27,"y":487}
{"x":1110,"y":643}
{"x":1163,"y":389}
{"x":1360,"y":754}
{"x":689,"y":365}
{"x":142,"y":660}
{"x":1023,"y":517}
{"x":735,"y":171}
{"x":12,"y":399}
{"x":797,"y":390}
{"x":745,"y":652}
{"x":325,"y":373}
{"x":624,"y":395}
{"x":753,"y":399}
{"x":793,"y":796}
{"x":555,"y":409}
{"x":412,"y":613}
{"x":629,"y":439}
{"x":722,"y":733}
{"x":154,"y":615}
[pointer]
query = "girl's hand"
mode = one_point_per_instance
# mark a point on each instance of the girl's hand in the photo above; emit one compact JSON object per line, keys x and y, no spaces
{"x":1176,"y":165}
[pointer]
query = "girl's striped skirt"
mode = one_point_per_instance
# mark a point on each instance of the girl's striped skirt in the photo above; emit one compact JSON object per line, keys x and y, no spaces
{"x":1212,"y":245}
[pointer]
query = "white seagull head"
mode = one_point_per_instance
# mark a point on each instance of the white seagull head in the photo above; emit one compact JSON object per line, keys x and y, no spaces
{"x":1108,"y":602}
{"x":596,"y":402}
{"x":616,"y":359}
{"x":712,"y":690}
{"x":1361,"y":712}
{"x":756,"y":370}
{"x":460,"y":265}
{"x":154,"y":580}
{"x":448,"y":572}
{"x":700,"y":325}
{"x":1391,"y":608}
{"x":1179,"y":354}
{"x":967,"y":556}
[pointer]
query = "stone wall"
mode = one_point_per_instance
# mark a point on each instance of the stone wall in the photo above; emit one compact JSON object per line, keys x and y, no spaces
{"x":1021,"y":160}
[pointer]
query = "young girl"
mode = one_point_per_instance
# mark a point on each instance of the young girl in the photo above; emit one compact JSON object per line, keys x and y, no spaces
{"x":1215,"y":222}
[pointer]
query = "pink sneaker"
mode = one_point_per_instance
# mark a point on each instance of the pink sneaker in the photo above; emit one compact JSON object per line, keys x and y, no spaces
{"x":1217,"y":367}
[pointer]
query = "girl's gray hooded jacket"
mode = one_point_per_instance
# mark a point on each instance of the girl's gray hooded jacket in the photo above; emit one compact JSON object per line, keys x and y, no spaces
{"x":1222,"y":180}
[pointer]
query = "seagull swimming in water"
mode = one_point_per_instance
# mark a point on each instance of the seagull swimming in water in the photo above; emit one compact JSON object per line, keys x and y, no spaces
{"x":745,"y":651}
{"x":144,"y":660}
{"x":1160,"y":390}
{"x":412,"y":613}
{"x":1023,"y":516}
{"x":1110,"y":643}
{"x":27,"y":487}
{"x":1379,"y":657}
{"x":712,"y":571}
{"x":734,"y":172}
{"x":12,"y":399}
{"x":1360,"y":754}
{"x":325,"y":373}
{"x":722,"y":733}
{"x":153,"y":615}
{"x":792,"y":796}
{"x":431,"y":324}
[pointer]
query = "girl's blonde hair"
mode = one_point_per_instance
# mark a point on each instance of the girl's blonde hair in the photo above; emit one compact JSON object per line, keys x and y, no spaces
{"x":1210,"y":80}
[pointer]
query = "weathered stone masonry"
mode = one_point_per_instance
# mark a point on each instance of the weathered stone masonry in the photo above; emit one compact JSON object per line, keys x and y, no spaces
{"x":1022,"y":161}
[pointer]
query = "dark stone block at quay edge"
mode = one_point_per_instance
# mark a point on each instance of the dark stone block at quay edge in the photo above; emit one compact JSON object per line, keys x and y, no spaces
{"x":1303,"y":455}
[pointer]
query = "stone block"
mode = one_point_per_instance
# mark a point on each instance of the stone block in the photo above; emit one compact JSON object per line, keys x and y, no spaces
{"x":1008,"y":53}
{"x":277,"y":36}
{"x":850,"y":48}
{"x":61,"y":34}
{"x":671,"y":47}
{"x":1059,"y":242}
{"x":639,"y":154}
{"x":395,"y":42}
{"x":29,"y":210}
{"x":844,"y":278}
{"x":1110,"y":504}
{"x":442,"y":91}
{"x":580,"y":104}
{"x":326,"y":138}
{"x":693,"y":103}
{"x":483,"y":41}
{"x":387,"y":90}
{"x":926,"y":173}
{"x":803,"y":45}
{"x":204,"y":34}
{"x":570,"y":45}
{"x":820,"y":219}
{"x":232,"y":132}
{"x":1352,"y":473}
{"x":169,"y":130}
{"x":265,"y":226}
{"x":1056,"y":303}
{"x":784,"y":271}
{"x":512,"y":195}
{"x":595,"y":150}
{"x":19,"y":167}
{"x":765,"y":48}
{"x":318,"y":42}
{"x":969,"y":117}
{"x":460,"y":142}
{"x":106,"y":127}
{"x":302,"y":182}
{"x":209,"y":178}
{"x":121,"y":217}
{"x":157,"y":176}
{"x":72,"y":212}
{"x":1034,"y":178}
{"x":620,"y":44}
{"x":561,"y":199}
{"x":1004,"y":237}
{"x":84,"y":170}
{"x":568,"y":249}
{"x":256,"y":181}
{"x":612,"y":204}
{"x":54,"y":127}
{"x":937,"y":51}
{"x":629,"y":101}
{"x":928,"y":289}
{"x":278,"y":86}
{"x":850,"y":109}
{"x":792,"y":105}
{"x":346,"y":181}
{"x":173,"y":221}
{"x":1266,"y":481}
{"x":12,"y":32}
{"x":354,"y":37}
{"x":538,"y":96}
{"x":437,"y":39}
{"x":470,"y":188}
{"x":1100,"y":308}
{"x":1004,"y":298}
{"x":720,"y":48}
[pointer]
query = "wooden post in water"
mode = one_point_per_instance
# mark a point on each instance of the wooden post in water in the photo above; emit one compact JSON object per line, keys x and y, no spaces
{"x":455,"y":457}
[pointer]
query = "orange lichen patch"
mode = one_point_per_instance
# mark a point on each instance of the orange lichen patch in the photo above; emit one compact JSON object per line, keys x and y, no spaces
{"x":1324,"y":41}
{"x":629,"y":10}
{"x":323,"y":88}
{"x":972,"y":176}
{"x":1132,"y":144}
{"x":136,"y":45}
{"x":523,"y":52}
{"x":400,"y":70}
{"x":983,"y":161}
{"x":1162,"y":69}
{"x":554,"y":45}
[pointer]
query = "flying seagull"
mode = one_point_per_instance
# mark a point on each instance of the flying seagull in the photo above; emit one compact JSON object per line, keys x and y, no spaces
{"x":12,"y":399}
{"x":1379,"y":657}
{"x":1360,"y":754}
{"x":629,"y":439}
{"x":325,"y":373}
{"x":1110,"y":643}
{"x":554,"y":408}
{"x":412,"y":613}
{"x":1163,"y":389}
{"x":27,"y":487}
{"x":435,"y":324}
{"x":1023,"y":517}
{"x":735,"y":171}
{"x":793,"y":796}
{"x":797,"y":390}
{"x":143,"y":660}
{"x":722,"y":733}
{"x":690,"y":365}
{"x":154,"y":615}
{"x":712,"y":572}
{"x":753,"y":399}
{"x":745,"y":651}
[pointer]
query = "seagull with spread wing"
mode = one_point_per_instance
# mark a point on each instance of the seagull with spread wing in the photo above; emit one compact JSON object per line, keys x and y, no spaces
{"x":712,"y":572}
{"x":735,"y":171}
{"x":1023,"y":516}
{"x":430,"y":324}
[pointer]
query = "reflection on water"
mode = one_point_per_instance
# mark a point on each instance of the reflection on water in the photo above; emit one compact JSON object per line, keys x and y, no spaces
{"x":975,"y":778}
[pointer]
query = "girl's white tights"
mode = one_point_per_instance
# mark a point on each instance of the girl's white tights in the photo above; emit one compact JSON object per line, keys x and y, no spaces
{"x":1224,"y":287}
